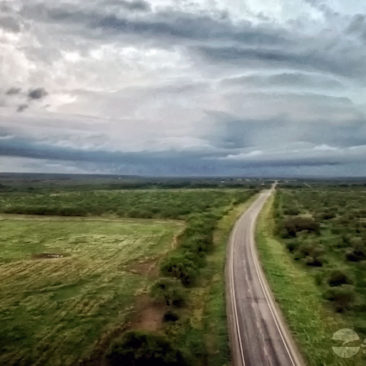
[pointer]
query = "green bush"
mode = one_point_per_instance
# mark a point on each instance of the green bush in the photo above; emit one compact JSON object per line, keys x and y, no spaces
{"x":170,"y":316}
{"x":293,"y":225}
{"x":291,"y":211}
{"x":342,"y":297}
{"x":313,"y":261}
{"x":144,"y":349}
{"x":312,"y":254}
{"x":181,"y":267}
{"x":338,"y":278}
{"x":356,"y":253}
{"x":168,"y":290}
{"x":292,"y":246}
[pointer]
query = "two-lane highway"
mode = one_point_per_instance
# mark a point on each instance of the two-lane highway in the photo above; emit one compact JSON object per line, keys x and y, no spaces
{"x":258,"y":334}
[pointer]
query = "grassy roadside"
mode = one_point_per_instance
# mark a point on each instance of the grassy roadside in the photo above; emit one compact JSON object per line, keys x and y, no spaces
{"x":301,"y":301}
{"x":215,"y":322}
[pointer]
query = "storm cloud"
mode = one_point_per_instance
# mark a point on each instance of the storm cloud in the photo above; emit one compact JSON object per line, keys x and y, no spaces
{"x":184,"y":88}
{"x":37,"y":93}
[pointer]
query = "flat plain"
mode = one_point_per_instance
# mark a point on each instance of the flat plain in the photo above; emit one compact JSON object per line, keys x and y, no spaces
{"x":66,"y":281}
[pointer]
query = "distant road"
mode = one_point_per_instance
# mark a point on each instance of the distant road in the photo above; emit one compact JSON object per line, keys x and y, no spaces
{"x":257,"y":331}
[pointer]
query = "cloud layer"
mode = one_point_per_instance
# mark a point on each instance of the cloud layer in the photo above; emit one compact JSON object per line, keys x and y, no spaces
{"x":200,"y":87}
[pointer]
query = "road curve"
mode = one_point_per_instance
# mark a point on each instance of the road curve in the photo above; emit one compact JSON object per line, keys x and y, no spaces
{"x":258,"y":334}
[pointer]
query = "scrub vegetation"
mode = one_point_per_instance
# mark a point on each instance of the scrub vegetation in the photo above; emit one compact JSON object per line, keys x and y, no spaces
{"x":312,"y":244}
{"x":76,"y":289}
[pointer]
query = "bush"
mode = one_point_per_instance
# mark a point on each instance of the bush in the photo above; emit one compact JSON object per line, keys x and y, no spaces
{"x":291,"y":211}
{"x":144,"y":349}
{"x":311,"y":254}
{"x":313,"y":261}
{"x":168,"y":290}
{"x":356,"y":253}
{"x":198,"y":243}
{"x":338,"y":278}
{"x":293,"y":225}
{"x":342,"y":297}
{"x":170,"y":316}
{"x":181,"y":267}
{"x":292,"y":246}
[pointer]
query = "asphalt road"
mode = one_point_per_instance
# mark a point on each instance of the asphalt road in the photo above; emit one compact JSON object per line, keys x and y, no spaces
{"x":258,"y":334}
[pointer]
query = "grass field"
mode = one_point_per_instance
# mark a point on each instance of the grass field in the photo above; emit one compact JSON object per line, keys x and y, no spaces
{"x":66,"y":281}
{"x":296,"y":288}
{"x":94,"y":269}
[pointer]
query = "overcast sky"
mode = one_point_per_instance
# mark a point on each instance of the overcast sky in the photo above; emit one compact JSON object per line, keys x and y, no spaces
{"x":183,"y":87}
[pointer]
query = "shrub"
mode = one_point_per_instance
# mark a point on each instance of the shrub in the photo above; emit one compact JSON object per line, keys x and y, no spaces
{"x":314,"y":261}
{"x":144,"y":349}
{"x":180,"y":267}
{"x":170,"y":316}
{"x":342,"y":297}
{"x":356,"y":254}
{"x":197,"y":243}
{"x":291,"y":211}
{"x":311,"y":253}
{"x":327,"y":215}
{"x":293,"y":225}
{"x":168,"y":290}
{"x":292,"y":245}
{"x":338,"y":278}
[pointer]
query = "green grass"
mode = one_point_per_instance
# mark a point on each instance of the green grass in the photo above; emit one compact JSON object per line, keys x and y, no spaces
{"x":310,"y":319}
{"x":53,"y":310}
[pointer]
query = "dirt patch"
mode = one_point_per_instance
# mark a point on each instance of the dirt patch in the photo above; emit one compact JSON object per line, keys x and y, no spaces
{"x":149,"y":315}
{"x":48,"y":256}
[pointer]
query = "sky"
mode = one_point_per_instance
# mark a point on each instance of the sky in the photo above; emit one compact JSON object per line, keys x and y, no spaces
{"x":183,"y":87}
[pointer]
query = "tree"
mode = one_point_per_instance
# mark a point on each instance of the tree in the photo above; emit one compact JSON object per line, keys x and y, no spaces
{"x":137,"y":348}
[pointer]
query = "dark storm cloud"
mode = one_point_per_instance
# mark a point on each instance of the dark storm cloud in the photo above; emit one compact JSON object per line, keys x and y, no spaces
{"x":22,"y":107}
{"x":138,"y":5}
{"x":13,"y":91}
{"x":165,"y":24}
{"x":303,"y":58}
{"x":128,"y":70}
{"x":285,"y":80}
{"x":184,"y":26}
{"x":37,"y":93}
{"x":358,"y":26}
{"x":217,"y":40}
{"x":153,"y":163}
{"x":233,"y":132}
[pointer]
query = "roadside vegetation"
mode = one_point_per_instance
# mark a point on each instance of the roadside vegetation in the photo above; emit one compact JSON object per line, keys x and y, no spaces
{"x":180,"y":285}
{"x":312,"y":243}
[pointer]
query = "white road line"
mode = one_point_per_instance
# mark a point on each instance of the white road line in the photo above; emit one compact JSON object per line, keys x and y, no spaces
{"x":255,"y":209}
{"x":235,"y":310}
{"x":265,"y":291}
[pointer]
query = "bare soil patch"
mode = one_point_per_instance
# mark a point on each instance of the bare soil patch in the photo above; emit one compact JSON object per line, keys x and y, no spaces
{"x":149,"y":315}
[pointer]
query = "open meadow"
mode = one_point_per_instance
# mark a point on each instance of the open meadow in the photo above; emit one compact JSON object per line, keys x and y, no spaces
{"x":66,"y":281}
